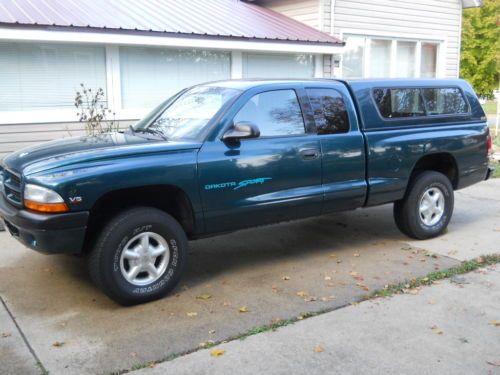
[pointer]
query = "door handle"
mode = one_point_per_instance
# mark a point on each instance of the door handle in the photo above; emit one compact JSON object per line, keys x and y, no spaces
{"x":309,"y":154}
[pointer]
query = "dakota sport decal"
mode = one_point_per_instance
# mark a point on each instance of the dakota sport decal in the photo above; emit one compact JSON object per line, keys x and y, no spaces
{"x":237,"y":185}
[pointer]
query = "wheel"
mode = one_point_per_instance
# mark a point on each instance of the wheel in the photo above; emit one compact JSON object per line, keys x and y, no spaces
{"x":426,"y":209}
{"x":139,"y":256}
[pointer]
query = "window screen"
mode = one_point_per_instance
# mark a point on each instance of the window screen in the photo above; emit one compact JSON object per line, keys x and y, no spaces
{"x":428,"y":60}
{"x":329,"y":110}
{"x":396,"y":103}
{"x":260,"y":65}
{"x":274,"y":112}
{"x":444,"y":101}
{"x":380,"y":61}
{"x":353,"y":57}
{"x":151,"y":75}
{"x":46,"y":76}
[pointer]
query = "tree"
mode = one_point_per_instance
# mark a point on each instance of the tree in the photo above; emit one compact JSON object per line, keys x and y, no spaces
{"x":480,"y":51}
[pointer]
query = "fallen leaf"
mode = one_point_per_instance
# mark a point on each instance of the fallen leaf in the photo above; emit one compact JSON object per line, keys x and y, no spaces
{"x":6,"y":334}
{"x":192,"y":314}
{"x":206,"y":343}
{"x":217,"y":352}
{"x":311,"y":299}
{"x":132,"y":354}
{"x":58,"y":344}
{"x":356,"y":255}
{"x":495,"y":323}
{"x":243,"y":309}
{"x":353,"y":273}
{"x":204,"y":296}
{"x":286,"y":278}
{"x":318,"y":349}
{"x":437,"y":330}
{"x":328,"y":278}
{"x":302,"y":294}
{"x":212,"y":331}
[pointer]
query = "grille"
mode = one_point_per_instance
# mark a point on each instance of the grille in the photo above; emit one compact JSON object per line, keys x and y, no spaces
{"x":12,"y":187}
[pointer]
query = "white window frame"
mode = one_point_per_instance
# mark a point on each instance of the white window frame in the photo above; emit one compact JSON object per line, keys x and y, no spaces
{"x":112,"y":41}
{"x":440,"y":63}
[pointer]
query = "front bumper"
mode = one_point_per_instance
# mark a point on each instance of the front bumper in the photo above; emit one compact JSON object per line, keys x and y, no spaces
{"x":46,"y":233}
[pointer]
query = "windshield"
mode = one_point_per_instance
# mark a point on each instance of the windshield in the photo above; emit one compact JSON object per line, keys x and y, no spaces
{"x":187,"y":115}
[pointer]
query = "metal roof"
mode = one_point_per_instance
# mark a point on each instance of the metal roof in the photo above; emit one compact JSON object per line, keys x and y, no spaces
{"x":202,"y":18}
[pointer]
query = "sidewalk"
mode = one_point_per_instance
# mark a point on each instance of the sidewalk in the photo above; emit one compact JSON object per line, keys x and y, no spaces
{"x":450,"y":328}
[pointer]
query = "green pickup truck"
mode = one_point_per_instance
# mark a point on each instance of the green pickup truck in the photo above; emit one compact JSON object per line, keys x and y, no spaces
{"x":229,"y":155}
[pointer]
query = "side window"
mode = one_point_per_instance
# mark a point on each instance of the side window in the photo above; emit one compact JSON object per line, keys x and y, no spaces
{"x":397,"y":103}
{"x":444,"y":101}
{"x":274,"y":112}
{"x":329,"y":110}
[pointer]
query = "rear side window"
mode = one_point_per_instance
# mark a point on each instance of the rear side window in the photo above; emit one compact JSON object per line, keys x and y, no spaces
{"x":399,"y":102}
{"x":444,"y":101}
{"x":330,"y":113}
{"x":276,"y":113}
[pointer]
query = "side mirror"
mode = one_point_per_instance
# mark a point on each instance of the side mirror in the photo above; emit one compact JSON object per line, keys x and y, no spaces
{"x":241,"y":130}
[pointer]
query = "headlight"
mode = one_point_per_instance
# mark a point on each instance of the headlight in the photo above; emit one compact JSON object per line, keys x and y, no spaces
{"x":41,"y":199}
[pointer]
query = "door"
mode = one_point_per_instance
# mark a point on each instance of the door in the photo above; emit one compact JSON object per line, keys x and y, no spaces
{"x":342,"y":147}
{"x":274,"y":177}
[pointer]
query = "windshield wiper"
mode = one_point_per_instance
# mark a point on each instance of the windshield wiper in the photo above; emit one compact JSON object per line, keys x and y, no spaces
{"x":149,"y":130}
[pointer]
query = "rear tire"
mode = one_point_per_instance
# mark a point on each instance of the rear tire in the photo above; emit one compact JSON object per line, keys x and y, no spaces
{"x":139,"y":256}
{"x":427,"y":207}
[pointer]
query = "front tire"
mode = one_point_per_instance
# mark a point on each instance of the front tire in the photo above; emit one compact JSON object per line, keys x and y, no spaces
{"x":427,"y":207}
{"x":139,"y":256}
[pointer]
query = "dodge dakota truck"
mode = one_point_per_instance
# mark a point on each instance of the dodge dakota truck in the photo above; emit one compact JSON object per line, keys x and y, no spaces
{"x":229,"y":155}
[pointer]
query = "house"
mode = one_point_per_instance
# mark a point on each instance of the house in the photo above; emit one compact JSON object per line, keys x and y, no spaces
{"x":142,"y":51}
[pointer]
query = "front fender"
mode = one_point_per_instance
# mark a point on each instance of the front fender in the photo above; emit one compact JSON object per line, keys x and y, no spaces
{"x":83,"y":184}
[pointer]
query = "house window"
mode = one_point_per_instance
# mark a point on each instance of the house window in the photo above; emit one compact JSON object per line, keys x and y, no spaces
{"x":428,"y":61}
{"x":380,"y":60}
{"x":45,"y":76}
{"x":383,"y":58}
{"x":353,"y":57}
{"x":151,"y":75}
{"x":262,"y":65}
{"x":405,"y":59}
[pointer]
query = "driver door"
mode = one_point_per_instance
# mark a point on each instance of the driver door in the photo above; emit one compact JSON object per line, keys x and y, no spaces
{"x":271,"y":178}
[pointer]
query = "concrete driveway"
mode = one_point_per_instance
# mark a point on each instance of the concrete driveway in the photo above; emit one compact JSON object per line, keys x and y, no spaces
{"x":52,"y":313}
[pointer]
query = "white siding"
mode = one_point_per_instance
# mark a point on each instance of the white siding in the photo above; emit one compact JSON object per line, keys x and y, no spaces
{"x":436,"y":20}
{"x":305,"y":11}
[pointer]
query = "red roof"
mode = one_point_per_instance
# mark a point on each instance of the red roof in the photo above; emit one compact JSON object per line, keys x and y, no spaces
{"x":216,"y":18}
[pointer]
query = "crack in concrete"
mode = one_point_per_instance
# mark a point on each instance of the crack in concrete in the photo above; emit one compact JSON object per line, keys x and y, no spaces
{"x":25,"y":339}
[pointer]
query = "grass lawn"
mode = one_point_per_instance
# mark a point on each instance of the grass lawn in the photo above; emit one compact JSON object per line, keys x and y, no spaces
{"x":490,"y":107}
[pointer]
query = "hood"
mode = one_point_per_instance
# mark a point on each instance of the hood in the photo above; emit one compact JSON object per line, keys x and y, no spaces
{"x":76,"y":150}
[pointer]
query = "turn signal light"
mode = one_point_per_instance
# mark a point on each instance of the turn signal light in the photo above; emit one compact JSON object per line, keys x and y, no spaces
{"x":46,"y":207}
{"x":489,"y":143}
